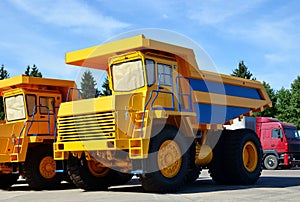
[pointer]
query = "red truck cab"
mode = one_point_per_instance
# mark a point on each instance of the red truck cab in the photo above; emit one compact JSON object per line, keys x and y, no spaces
{"x":280,"y":142}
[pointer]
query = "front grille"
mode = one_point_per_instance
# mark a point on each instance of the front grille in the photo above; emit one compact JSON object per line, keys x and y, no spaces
{"x":86,"y":127}
{"x":294,"y":147}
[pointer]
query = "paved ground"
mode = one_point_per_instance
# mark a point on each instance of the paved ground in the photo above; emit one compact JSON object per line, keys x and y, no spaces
{"x":279,"y":185}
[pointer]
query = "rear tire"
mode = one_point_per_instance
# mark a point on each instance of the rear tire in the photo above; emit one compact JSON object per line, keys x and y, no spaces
{"x":39,"y":168}
{"x":167,"y":166}
{"x":7,"y":180}
{"x":271,"y":162}
{"x":239,"y":158}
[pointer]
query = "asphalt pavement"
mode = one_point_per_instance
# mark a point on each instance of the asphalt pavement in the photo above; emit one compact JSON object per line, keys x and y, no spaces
{"x":277,"y":185}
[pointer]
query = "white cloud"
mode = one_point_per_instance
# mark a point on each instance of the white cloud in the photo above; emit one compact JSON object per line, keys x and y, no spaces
{"x":217,"y":11}
{"x":70,"y":14}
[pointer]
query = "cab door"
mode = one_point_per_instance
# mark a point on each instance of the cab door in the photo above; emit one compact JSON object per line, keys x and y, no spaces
{"x":46,"y":118}
{"x":165,"y":85}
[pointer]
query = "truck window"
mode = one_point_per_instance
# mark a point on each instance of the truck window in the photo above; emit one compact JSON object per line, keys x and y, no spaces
{"x":291,"y":133}
{"x":276,"y":133}
{"x":150,"y":70}
{"x":165,"y":74}
{"x":128,"y":76}
{"x":14,"y":107}
{"x":30,"y":102}
{"x":48,"y":102}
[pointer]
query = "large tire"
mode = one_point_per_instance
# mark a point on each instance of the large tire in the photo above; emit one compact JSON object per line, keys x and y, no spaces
{"x":39,"y":168}
{"x":271,"y":162}
{"x":168,"y":162}
{"x":88,"y":175}
{"x":7,"y":180}
{"x":239,"y":158}
{"x":218,"y":163}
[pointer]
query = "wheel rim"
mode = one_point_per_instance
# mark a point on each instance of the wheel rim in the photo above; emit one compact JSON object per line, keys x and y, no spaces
{"x":250,"y":156}
{"x":47,"y":167}
{"x":169,"y":159}
{"x":271,"y":161}
{"x":97,"y":169}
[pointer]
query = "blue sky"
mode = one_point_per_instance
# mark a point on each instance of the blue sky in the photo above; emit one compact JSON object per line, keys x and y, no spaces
{"x":263,"y":33}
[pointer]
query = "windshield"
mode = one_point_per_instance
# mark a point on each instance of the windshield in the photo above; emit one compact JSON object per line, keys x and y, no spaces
{"x":14,"y":107}
{"x":291,"y":133}
{"x":128,"y":76}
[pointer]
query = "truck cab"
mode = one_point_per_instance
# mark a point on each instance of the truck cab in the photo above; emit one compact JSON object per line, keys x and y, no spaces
{"x":28,"y":131}
{"x":280,"y":143}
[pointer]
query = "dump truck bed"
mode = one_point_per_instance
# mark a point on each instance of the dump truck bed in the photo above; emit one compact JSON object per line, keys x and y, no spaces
{"x":216,"y":98}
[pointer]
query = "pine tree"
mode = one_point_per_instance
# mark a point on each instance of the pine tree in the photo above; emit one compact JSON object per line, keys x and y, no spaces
{"x":3,"y":75}
{"x":105,"y":88}
{"x":283,"y":107}
{"x":295,"y":102}
{"x":88,"y":85}
{"x":242,"y":72}
{"x":33,"y":71}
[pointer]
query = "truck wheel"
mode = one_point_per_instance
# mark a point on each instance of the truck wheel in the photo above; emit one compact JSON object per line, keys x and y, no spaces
{"x":39,"y":168}
{"x":218,"y":163}
{"x":88,"y":175}
{"x":167,"y":164}
{"x":7,"y":180}
{"x":244,"y":156}
{"x":271,"y":162}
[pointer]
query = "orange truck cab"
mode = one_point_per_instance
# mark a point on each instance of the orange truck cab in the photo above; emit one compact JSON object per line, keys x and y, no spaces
{"x":28,"y":131}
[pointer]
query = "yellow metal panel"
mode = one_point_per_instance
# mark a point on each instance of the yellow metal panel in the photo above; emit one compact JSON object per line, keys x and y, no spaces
{"x":22,"y":80}
{"x":87,"y":106}
{"x":97,"y":56}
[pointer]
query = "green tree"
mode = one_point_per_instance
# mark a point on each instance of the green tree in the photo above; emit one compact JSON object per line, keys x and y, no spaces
{"x":295,"y":102}
{"x":3,"y":75}
{"x":88,"y":85}
{"x":33,"y":71}
{"x":242,"y":71}
{"x":105,"y":91}
{"x":269,"y":112}
{"x":283,"y":107}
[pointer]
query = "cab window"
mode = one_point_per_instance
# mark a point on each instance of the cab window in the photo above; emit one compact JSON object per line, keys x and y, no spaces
{"x":164,"y":74}
{"x":14,"y":107}
{"x":46,"y":103}
{"x":150,"y":70}
{"x":30,"y":102}
{"x":276,"y":133}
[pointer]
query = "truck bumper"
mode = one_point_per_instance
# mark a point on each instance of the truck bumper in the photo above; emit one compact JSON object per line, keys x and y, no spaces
{"x":136,"y":147}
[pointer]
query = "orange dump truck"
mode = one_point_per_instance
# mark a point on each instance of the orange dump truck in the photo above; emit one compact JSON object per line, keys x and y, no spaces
{"x":162,"y":123}
{"x":28,"y":131}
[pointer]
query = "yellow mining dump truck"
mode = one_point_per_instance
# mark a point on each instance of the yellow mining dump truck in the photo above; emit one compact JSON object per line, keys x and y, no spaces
{"x":27,"y":133}
{"x":163,"y":122}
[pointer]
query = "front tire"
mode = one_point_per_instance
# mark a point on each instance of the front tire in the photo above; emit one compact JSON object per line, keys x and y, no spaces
{"x":168,"y":162}
{"x":271,"y":162}
{"x":39,"y":168}
{"x":88,"y":175}
{"x":7,"y":180}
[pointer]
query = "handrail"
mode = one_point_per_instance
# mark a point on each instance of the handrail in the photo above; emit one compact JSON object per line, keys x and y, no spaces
{"x":183,"y":94}
{"x":157,"y":91}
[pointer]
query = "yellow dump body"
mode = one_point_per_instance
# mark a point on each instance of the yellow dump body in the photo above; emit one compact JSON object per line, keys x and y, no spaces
{"x":185,"y":97}
{"x":30,"y":105}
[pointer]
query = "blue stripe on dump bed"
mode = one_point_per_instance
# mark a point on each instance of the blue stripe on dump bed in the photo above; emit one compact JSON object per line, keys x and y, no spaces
{"x":225,"y":89}
{"x":217,"y":114}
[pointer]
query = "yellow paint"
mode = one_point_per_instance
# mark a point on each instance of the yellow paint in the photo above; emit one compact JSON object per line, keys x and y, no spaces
{"x":250,"y":156}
